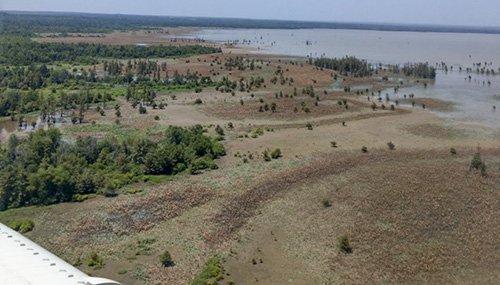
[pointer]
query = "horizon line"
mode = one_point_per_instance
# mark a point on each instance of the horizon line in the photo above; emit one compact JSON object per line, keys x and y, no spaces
{"x":473,"y":28}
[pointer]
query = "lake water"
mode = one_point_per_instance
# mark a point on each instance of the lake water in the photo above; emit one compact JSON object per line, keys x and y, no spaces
{"x":473,"y":100}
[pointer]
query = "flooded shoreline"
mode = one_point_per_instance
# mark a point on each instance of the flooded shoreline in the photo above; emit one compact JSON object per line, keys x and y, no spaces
{"x":468,"y":75}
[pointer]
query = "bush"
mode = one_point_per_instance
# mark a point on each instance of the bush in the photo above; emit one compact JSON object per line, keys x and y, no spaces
{"x":364,"y":149}
{"x":219,"y":130}
{"x":276,"y":154}
{"x":476,"y":162}
{"x":198,"y":101}
{"x":95,"y":261}
{"x":201,"y":164}
{"x":334,"y":144}
{"x":256,"y":133}
{"x":483,"y":170}
{"x":326,"y":203}
{"x":157,"y":118}
{"x":309,"y":126}
{"x":212,"y":273}
{"x":266,"y":156}
{"x":344,"y":245}
{"x":453,"y":151}
{"x":391,"y":146}
{"x":166,"y":259}
{"x":22,"y":225}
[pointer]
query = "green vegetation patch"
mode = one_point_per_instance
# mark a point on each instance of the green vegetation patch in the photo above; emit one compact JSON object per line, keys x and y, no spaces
{"x":44,"y":169}
{"x":23,"y":51}
{"x":22,"y":225}
{"x":211,"y":274}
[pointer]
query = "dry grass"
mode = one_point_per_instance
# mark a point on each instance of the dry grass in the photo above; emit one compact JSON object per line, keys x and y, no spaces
{"x":431,"y":103}
{"x":286,"y":108}
{"x":168,"y":36}
{"x":412,"y":217}
{"x":436,"y":131}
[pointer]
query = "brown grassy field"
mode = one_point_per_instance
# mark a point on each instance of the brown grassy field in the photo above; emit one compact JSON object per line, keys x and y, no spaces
{"x":163,"y":36}
{"x":413,"y":215}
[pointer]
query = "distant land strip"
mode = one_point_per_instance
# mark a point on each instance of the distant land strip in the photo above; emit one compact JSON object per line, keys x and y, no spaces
{"x":37,"y":22}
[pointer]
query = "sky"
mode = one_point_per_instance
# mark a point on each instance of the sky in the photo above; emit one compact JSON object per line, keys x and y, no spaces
{"x":441,"y":12}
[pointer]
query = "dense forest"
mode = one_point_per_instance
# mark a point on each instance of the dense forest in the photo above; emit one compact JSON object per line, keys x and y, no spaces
{"x":28,"y":23}
{"x":345,"y":65}
{"x":23,"y":51}
{"x":45,"y":169}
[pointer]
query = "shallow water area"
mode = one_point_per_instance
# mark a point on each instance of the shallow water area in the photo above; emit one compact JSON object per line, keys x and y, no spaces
{"x":473,"y":99}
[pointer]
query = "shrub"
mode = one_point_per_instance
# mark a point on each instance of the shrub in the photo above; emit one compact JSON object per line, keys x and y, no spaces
{"x":201,"y":164}
{"x":157,"y":118}
{"x":212,"y":272}
{"x":483,"y":170}
{"x":22,"y":225}
{"x":166,"y":259}
{"x":334,"y":144}
{"x":142,"y":110}
{"x":344,"y":245}
{"x":198,"y":101}
{"x":453,"y":151}
{"x":309,"y":126}
{"x":326,"y":203}
{"x":364,"y":149}
{"x":219,"y":130}
{"x":266,"y":156}
{"x":95,"y":261}
{"x":476,"y":162}
{"x":256,"y":133}
{"x":391,"y":146}
{"x":276,"y":153}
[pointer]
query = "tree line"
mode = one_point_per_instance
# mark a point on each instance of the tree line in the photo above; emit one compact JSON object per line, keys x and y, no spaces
{"x":345,"y":65}
{"x":45,"y":169}
{"x":420,"y":70}
{"x":28,"y":23}
{"x":23,"y":51}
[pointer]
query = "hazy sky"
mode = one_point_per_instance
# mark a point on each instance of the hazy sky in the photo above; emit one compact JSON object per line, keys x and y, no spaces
{"x":449,"y":12}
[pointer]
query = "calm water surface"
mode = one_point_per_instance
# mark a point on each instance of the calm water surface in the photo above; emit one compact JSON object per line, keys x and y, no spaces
{"x":473,"y":100}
